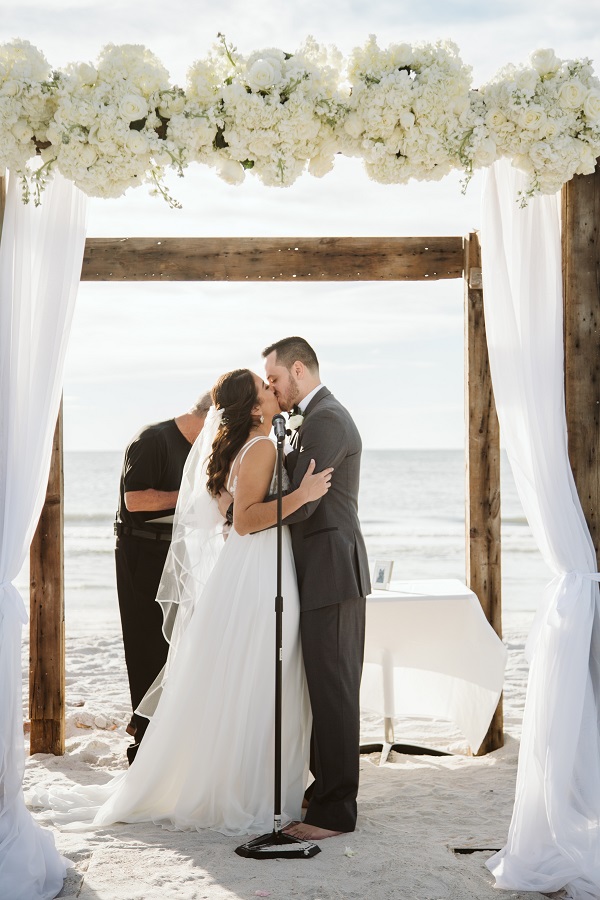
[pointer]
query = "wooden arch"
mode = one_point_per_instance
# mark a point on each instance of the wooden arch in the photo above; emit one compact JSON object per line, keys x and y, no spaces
{"x":353,"y":259}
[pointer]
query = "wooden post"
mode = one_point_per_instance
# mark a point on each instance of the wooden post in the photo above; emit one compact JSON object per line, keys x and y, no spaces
{"x":47,"y":616}
{"x":581,"y":286}
{"x":482,"y":514}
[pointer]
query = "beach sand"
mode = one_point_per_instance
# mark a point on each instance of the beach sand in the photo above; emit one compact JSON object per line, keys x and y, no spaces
{"x":416,"y":813}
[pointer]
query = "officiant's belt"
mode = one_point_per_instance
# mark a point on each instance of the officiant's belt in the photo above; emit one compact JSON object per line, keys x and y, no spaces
{"x":137,"y":532}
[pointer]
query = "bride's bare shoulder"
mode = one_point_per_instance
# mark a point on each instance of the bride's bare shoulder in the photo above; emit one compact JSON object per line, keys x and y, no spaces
{"x":260,"y":452}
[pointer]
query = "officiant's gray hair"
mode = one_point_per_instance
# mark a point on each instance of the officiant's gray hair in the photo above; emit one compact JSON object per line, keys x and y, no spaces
{"x":202,"y":405}
{"x":290,"y":349}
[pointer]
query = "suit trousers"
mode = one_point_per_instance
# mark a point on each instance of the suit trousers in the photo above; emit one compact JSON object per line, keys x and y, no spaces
{"x":139,"y":565}
{"x":333,"y":640}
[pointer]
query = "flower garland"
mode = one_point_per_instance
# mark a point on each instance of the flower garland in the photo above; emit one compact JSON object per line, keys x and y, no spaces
{"x":408,"y":111}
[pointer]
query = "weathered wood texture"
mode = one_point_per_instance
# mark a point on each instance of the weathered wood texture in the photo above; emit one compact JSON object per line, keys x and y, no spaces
{"x":581,"y":284}
{"x":272,"y":259}
{"x":482,"y":513}
{"x":47,"y":616}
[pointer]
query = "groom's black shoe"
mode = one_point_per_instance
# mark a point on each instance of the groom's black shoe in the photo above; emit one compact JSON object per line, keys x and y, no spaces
{"x":132,"y":751}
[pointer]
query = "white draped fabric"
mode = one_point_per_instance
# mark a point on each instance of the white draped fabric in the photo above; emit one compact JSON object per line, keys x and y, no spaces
{"x":554,"y":836}
{"x":40,"y":264}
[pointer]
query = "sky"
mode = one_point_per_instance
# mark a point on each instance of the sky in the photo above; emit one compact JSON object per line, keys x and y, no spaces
{"x":393,"y":354}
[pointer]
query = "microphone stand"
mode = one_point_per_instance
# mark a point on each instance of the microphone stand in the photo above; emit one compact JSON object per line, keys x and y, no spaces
{"x":277,"y":844}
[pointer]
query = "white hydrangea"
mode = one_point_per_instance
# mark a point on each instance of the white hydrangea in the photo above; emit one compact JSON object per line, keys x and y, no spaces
{"x":276,"y":111}
{"x":410,"y":115}
{"x":546,"y":118}
{"x":27,"y":102}
{"x":109,"y":131}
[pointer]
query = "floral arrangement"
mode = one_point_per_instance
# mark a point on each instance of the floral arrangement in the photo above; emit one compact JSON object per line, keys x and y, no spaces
{"x":546,"y":118}
{"x":108,"y":131}
{"x":408,"y":111}
{"x":27,"y":102}
{"x":278,"y":112}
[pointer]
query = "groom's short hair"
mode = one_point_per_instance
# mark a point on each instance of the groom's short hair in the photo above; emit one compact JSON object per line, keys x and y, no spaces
{"x":290,"y":349}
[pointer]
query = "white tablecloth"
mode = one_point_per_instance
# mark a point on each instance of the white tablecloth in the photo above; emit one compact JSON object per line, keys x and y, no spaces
{"x":430,"y":651}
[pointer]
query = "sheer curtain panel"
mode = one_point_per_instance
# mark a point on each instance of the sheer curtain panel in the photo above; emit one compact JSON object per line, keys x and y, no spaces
{"x":554,"y":836}
{"x":41,"y":251}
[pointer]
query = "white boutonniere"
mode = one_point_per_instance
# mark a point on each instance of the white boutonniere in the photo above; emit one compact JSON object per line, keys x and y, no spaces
{"x":295,"y":421}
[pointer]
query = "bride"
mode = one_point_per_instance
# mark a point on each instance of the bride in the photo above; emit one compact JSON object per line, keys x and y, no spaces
{"x":206,"y":760}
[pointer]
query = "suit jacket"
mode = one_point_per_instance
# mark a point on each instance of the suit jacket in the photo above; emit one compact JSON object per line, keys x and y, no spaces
{"x":329,"y":550}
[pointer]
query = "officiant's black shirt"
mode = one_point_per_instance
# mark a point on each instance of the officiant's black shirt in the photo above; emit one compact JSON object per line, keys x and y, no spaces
{"x":154,"y":459}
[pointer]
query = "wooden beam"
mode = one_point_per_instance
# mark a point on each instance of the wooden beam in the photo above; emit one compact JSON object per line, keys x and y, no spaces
{"x":581,"y":287}
{"x":272,"y":259}
{"x":47,"y":616}
{"x":482,"y":513}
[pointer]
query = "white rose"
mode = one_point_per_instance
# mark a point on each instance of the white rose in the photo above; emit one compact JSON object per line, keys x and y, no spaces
{"x":407,"y":120}
{"x":486,"y":152}
{"x":527,"y":80}
{"x":133,"y":107}
{"x":522,"y":162}
{"x":591,"y":105}
{"x":203,"y":132}
{"x":136,"y":142}
{"x":532,"y":118}
{"x":170,"y":105}
{"x":88,"y":155}
{"x":544,"y":61}
{"x":296,"y":421}
{"x":495,"y":118}
{"x":550,"y":128}
{"x":10,"y":88}
{"x":540,"y":154}
{"x":571,"y":94}
{"x":263,"y":74}
{"x":231,"y":172}
{"x":22,"y":131}
{"x":402,"y":55}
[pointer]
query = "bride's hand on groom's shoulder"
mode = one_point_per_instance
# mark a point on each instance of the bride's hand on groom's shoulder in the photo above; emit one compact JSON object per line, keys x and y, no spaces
{"x":315,"y":484}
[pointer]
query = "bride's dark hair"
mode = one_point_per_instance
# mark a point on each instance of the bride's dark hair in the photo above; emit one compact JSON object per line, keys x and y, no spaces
{"x":235,"y":393}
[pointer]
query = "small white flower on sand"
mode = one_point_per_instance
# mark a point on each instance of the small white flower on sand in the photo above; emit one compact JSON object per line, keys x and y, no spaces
{"x":349,"y":852}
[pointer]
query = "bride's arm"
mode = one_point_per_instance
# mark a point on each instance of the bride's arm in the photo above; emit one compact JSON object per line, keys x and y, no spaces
{"x":250,"y":513}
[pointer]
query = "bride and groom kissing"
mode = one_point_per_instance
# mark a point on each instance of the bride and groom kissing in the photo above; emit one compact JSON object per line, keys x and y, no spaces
{"x":207,"y":758}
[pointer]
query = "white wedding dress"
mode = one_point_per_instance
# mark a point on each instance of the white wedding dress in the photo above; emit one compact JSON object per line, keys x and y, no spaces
{"x":207,"y":759}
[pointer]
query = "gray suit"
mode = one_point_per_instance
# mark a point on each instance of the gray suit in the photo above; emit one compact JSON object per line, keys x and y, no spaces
{"x":333,"y":580}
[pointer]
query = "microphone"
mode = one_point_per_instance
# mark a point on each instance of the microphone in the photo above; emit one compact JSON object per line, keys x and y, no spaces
{"x":279,"y":426}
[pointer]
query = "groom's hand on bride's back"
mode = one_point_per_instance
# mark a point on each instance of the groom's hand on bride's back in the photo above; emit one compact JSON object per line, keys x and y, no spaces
{"x":224,"y":502}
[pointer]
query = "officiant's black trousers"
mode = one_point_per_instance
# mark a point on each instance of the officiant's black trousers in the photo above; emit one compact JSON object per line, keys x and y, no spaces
{"x":139,"y":564}
{"x":333,"y":639}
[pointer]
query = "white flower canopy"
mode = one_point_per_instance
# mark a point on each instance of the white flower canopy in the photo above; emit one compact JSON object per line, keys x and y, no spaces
{"x":407,"y":111}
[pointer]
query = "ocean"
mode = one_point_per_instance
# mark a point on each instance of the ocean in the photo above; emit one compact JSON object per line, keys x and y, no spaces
{"x":411,"y":508}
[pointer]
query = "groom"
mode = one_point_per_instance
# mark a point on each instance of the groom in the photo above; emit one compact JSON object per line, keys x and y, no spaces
{"x":333,"y":580}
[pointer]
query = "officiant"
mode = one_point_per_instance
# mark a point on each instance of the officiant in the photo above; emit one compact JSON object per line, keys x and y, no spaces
{"x":150,"y":480}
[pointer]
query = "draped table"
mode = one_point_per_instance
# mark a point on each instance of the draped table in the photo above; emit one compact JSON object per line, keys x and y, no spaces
{"x":430,"y":651}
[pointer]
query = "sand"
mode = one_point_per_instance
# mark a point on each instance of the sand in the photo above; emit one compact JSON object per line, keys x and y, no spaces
{"x":416,"y":813}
